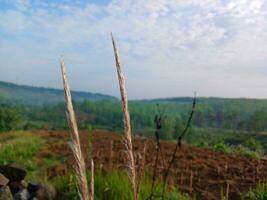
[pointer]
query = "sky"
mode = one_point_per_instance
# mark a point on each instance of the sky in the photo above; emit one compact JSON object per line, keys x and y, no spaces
{"x":168,"y":48}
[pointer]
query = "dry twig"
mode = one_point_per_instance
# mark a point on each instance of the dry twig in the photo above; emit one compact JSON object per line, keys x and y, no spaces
{"x":158,"y":123}
{"x":142,"y":168}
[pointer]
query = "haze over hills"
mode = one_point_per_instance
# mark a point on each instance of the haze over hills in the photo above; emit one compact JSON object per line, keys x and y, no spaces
{"x":10,"y":92}
{"x":23,"y":94}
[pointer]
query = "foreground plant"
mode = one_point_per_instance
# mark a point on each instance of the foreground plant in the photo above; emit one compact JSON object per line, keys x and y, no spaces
{"x":259,"y":193}
{"x":127,"y":124}
{"x":74,"y":143}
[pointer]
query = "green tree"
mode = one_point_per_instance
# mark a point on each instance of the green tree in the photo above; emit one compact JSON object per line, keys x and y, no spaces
{"x":258,"y":121}
{"x":9,"y":119}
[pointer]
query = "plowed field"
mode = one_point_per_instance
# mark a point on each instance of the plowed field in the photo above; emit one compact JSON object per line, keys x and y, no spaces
{"x":199,"y":171}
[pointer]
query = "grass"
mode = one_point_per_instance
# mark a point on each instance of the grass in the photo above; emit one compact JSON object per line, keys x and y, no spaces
{"x":259,"y":193}
{"x":241,"y":150}
{"x":204,"y":137}
{"x":66,"y":187}
{"x":20,"y":147}
{"x":112,"y":186}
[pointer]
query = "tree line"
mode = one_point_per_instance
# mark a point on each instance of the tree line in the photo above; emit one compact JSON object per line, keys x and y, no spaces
{"x":240,"y":115}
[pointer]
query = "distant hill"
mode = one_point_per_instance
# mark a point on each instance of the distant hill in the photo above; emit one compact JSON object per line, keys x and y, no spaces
{"x":13,"y":93}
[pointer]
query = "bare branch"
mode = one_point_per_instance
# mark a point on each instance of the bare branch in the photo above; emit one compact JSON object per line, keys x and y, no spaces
{"x":178,"y":144}
{"x":158,"y":124}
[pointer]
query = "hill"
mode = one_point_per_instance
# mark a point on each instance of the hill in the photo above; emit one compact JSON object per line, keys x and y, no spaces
{"x":13,"y":93}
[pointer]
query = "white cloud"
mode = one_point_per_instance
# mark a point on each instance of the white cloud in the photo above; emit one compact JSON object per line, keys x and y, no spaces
{"x":172,"y":46}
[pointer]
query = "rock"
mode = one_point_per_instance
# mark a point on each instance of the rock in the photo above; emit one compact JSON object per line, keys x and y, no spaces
{"x":45,"y":192}
{"x":5,"y":193}
{"x":3,"y":180}
{"x":22,"y":195}
{"x":24,"y":183}
{"x":32,"y":188}
{"x":13,"y":172}
{"x":16,"y":186}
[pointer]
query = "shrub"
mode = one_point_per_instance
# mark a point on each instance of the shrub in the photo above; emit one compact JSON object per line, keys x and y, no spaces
{"x":202,"y":143}
{"x":253,"y":145}
{"x":244,"y":151}
{"x":9,"y":119}
{"x":221,"y":147}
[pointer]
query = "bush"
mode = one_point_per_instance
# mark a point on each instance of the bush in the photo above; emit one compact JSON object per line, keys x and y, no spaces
{"x":253,"y":145}
{"x":202,"y":143}
{"x":221,"y":147}
{"x":9,"y":119}
{"x":244,"y":151}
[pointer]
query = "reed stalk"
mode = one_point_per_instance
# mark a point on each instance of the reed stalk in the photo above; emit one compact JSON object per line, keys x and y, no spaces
{"x":126,"y":120}
{"x":74,"y":143}
{"x":92,"y":189}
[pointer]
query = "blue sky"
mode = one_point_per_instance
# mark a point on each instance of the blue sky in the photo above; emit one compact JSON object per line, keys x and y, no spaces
{"x":168,"y":48}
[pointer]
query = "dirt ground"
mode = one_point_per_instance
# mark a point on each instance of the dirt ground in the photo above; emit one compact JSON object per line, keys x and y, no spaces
{"x":202,"y":172}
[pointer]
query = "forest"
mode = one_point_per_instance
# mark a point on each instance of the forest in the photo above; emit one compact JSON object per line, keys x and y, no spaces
{"x":246,"y":115}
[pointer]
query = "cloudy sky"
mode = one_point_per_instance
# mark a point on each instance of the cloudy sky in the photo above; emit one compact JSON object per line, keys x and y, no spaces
{"x":167,"y":47}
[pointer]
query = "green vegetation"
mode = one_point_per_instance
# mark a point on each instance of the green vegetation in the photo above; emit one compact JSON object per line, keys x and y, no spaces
{"x":234,"y":122}
{"x":20,"y":147}
{"x":259,"y":193}
{"x":222,"y":147}
{"x":112,"y":186}
{"x":225,"y":125}
{"x":244,"y":151}
{"x":243,"y":142}
{"x":9,"y":119}
{"x":42,"y":108}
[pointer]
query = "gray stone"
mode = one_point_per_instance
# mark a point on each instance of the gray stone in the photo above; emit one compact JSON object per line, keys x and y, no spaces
{"x":3,"y":180}
{"x":13,"y":172}
{"x":5,"y":193}
{"x":22,"y":195}
{"x":16,"y":186}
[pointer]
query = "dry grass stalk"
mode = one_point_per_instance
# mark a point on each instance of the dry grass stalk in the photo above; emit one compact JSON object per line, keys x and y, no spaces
{"x":191,"y":182}
{"x":126,"y":120}
{"x":111,"y":155}
{"x":227,"y":191}
{"x":92,"y":189}
{"x":142,"y":168}
{"x":74,"y":142}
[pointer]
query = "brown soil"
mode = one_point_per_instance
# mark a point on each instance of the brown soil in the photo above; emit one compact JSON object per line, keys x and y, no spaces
{"x":208,"y":172}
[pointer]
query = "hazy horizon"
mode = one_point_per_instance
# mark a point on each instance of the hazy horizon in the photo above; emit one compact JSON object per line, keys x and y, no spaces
{"x":166,"y":97}
{"x":168,"y":48}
